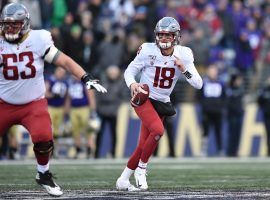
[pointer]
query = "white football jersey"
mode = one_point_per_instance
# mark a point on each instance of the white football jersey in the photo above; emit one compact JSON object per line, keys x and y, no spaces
{"x":21,"y":77}
{"x":159,"y":71}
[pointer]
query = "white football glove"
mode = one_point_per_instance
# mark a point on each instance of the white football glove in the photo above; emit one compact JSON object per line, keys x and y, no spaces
{"x":92,"y":84}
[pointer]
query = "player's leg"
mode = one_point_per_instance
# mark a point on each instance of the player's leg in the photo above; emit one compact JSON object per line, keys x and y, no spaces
{"x":9,"y":119}
{"x":38,"y":123}
{"x":151,"y":131}
{"x":154,"y":125}
{"x":5,"y":123}
{"x":122,"y":182}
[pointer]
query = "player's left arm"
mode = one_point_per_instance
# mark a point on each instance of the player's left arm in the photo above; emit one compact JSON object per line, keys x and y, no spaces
{"x":189,"y":71}
{"x":53,"y":55}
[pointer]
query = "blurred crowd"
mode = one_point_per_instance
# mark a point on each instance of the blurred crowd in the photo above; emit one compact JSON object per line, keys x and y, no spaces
{"x":230,"y":40}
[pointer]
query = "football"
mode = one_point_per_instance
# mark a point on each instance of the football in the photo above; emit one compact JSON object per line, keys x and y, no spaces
{"x":141,"y":97}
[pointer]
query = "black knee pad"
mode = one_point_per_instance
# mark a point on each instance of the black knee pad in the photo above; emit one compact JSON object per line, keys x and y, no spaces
{"x":43,"y":148}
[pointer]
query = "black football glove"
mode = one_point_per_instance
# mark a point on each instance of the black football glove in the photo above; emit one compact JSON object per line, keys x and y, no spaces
{"x":92,"y":84}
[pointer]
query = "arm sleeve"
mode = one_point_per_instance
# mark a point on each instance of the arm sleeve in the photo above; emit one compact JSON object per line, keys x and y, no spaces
{"x":134,"y":67}
{"x":195,"y":80}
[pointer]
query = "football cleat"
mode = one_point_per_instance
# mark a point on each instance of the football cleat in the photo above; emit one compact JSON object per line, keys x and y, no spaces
{"x":46,"y":181}
{"x":125,"y":185}
{"x":140,"y":177}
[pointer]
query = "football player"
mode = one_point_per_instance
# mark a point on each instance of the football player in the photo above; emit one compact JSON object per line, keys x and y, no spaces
{"x":22,"y":88}
{"x":161,"y":64}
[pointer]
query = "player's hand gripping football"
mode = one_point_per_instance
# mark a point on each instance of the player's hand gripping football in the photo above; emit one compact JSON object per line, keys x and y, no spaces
{"x":179,"y":64}
{"x":92,"y":84}
{"x":139,"y":93}
{"x":135,"y":88}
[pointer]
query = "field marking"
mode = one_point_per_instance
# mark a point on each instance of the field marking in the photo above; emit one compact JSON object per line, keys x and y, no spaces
{"x":113,"y":194}
{"x":152,"y":161}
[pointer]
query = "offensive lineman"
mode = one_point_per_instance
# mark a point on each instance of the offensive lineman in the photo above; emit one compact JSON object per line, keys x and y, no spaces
{"x":22,"y":88}
{"x":160,"y":64}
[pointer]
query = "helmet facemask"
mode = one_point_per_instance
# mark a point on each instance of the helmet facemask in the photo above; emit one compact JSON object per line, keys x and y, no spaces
{"x":12,"y":30}
{"x":167,"y":33}
{"x":166,"y":40}
{"x":14,"y":22}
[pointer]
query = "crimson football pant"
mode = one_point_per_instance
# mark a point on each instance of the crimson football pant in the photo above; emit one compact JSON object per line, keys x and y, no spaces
{"x":151,"y":131}
{"x":34,"y":117}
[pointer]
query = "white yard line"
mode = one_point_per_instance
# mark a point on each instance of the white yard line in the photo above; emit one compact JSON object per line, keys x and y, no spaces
{"x":153,"y":160}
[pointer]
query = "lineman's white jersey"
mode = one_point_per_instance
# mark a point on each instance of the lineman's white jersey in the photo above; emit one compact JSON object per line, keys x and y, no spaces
{"x":159,"y":71}
{"x":21,"y":78}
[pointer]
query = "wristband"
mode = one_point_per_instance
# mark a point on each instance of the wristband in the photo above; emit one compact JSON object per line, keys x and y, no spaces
{"x":86,"y":77}
{"x":187,"y":74}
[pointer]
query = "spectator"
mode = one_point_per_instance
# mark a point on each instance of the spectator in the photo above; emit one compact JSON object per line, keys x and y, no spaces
{"x":112,"y":51}
{"x":264,"y":56}
{"x":80,"y":102}
{"x":212,"y":100}
{"x":59,"y":12}
{"x":235,"y":94}
{"x":200,"y":45}
{"x":107,"y":107}
{"x":244,"y":59}
{"x":264,"y":104}
{"x":56,"y":93}
{"x":75,"y":50}
{"x":227,"y":21}
{"x":46,"y":13}
{"x":89,"y":51}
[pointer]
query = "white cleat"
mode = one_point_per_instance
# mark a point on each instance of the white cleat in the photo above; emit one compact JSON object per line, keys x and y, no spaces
{"x":140,"y":177}
{"x":125,"y":185}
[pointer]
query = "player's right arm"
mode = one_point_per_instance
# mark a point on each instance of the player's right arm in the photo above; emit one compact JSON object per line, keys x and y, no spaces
{"x":133,"y":69}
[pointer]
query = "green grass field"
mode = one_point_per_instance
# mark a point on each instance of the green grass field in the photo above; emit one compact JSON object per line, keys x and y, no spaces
{"x":173,"y":178}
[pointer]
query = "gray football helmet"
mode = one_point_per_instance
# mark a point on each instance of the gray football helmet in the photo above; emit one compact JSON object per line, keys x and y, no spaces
{"x":14,"y":21}
{"x":170,"y":28}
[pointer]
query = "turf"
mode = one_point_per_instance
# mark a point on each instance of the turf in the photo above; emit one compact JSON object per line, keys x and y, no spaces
{"x":164,"y":175}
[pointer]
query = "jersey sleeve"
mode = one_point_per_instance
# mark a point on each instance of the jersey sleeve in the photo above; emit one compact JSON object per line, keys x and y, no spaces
{"x":191,"y":74}
{"x":45,"y":42}
{"x":135,"y":66}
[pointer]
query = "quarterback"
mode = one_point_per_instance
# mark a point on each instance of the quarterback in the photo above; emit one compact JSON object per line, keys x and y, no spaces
{"x":22,"y":87}
{"x":160,"y":65}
